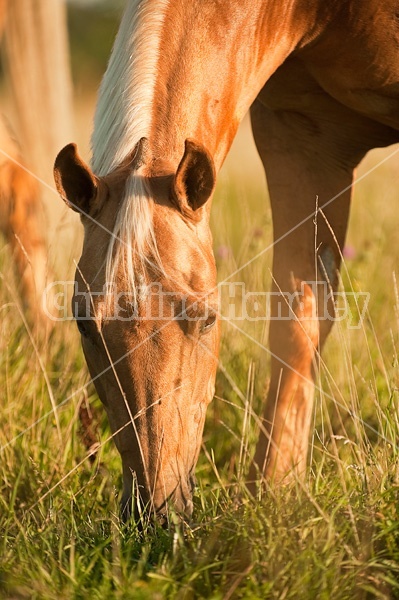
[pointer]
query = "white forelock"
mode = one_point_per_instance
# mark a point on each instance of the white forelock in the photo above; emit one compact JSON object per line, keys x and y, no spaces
{"x":124,"y":116}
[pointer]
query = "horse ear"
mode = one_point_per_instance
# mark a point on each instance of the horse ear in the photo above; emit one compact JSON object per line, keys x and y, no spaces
{"x":195,"y":177}
{"x":75,"y":182}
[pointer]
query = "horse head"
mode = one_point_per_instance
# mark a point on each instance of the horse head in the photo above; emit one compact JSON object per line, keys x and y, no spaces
{"x":145,"y":303}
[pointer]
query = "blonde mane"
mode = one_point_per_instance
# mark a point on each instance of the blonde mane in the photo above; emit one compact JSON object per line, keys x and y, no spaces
{"x":123,"y":116}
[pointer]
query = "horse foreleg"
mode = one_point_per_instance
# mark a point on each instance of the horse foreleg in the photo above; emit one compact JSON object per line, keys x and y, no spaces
{"x":309,"y":162}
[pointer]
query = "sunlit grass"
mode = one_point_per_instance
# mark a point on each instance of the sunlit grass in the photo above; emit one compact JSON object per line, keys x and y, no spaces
{"x":335,"y":535}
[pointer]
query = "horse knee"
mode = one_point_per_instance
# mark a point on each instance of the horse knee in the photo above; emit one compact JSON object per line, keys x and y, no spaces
{"x":294,"y":328}
{"x":303,"y":316}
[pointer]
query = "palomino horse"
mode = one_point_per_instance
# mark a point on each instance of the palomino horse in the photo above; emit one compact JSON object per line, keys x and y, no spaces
{"x":35,"y":48}
{"x":322,"y":81}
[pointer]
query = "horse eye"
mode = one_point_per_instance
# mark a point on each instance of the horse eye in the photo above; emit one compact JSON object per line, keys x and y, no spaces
{"x":208,"y":323}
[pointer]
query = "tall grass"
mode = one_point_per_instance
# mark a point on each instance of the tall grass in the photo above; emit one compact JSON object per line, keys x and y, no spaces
{"x":335,"y":535}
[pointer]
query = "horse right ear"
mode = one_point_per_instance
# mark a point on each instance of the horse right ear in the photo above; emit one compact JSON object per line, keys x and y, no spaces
{"x":76,"y":183}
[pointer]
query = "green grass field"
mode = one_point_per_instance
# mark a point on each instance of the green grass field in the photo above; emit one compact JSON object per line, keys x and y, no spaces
{"x":336,"y":535}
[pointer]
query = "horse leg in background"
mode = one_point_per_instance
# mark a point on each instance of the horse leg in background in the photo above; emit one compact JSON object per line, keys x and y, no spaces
{"x":309,"y":153}
{"x":36,"y":63}
{"x":21,"y":222}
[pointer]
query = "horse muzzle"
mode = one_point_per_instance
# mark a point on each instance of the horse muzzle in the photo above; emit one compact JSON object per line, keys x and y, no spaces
{"x":159,"y":509}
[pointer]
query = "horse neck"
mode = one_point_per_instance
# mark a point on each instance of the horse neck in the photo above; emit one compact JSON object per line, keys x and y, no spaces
{"x":214,"y":59}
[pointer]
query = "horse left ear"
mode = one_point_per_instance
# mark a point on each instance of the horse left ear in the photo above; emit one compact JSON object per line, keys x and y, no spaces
{"x":195,"y":177}
{"x":76,"y":183}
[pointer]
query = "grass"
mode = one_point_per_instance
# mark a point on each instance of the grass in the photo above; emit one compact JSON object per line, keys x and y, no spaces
{"x":336,"y":535}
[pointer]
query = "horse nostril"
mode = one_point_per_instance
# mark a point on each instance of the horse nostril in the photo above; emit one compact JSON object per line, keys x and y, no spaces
{"x":192,"y":482}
